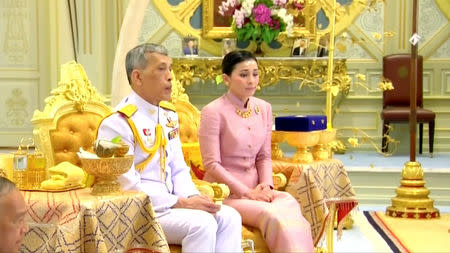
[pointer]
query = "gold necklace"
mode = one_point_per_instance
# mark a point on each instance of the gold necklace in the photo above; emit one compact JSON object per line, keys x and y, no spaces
{"x":245,"y":114}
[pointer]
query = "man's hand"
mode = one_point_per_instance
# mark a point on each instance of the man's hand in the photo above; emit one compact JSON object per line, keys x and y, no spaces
{"x":261,"y":192}
{"x":199,"y":202}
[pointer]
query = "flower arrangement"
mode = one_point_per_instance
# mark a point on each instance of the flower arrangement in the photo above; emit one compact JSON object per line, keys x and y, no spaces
{"x":260,"y":20}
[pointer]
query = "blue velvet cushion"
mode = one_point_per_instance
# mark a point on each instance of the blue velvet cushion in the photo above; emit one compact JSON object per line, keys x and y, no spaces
{"x":303,"y":123}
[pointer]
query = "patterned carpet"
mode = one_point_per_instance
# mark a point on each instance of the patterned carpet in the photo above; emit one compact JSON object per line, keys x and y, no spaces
{"x":364,"y":238}
{"x":412,"y":235}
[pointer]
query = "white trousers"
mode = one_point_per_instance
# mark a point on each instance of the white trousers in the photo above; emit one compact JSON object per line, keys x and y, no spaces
{"x":200,"y":231}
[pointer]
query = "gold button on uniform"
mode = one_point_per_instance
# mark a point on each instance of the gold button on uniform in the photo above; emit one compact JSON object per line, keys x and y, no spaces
{"x":250,"y":146}
{"x":249,"y":128}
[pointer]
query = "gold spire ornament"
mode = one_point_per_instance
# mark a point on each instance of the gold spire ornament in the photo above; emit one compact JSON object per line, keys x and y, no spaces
{"x":412,"y":196}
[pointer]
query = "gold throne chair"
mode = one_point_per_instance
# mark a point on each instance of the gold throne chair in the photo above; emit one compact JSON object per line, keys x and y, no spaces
{"x":70,"y":118}
{"x":189,"y":118}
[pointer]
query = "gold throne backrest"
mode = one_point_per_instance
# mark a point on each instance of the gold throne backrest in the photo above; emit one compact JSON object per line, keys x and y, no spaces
{"x":189,"y":118}
{"x":70,"y":118}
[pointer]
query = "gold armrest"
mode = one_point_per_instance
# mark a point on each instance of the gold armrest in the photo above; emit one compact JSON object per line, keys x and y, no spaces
{"x":279,"y":181}
{"x":218,"y":192}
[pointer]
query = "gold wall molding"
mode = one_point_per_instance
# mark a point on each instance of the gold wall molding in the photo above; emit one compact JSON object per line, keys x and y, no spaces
{"x":16,"y":37}
{"x":444,"y":6}
{"x":17,"y":114}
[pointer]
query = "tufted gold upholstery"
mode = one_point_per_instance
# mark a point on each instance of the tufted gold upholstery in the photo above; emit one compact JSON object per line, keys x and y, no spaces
{"x":70,"y":117}
{"x":73,"y":131}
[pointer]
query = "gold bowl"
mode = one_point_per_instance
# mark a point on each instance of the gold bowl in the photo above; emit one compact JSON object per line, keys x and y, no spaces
{"x":277,"y":137}
{"x":302,"y":140}
{"x":321,"y":151}
{"x":106,"y":171}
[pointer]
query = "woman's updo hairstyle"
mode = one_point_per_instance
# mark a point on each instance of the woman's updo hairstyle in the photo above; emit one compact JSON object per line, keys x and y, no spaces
{"x":233,"y":58}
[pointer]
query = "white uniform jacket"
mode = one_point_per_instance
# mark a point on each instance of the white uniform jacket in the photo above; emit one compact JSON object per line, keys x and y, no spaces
{"x":178,"y":179}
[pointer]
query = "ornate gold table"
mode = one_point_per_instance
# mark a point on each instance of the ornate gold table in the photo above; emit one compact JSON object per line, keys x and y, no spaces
{"x":319,"y":186}
{"x":309,"y":70}
{"x":76,"y":221}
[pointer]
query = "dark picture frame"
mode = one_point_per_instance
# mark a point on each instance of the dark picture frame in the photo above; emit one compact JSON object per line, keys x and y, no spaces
{"x":189,"y":46}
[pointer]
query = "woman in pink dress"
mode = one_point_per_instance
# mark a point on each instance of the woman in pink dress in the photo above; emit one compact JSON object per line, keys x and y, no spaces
{"x":235,"y":135}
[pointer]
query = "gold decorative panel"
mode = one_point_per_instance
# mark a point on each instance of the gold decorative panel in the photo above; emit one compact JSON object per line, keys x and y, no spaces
{"x":311,"y":71}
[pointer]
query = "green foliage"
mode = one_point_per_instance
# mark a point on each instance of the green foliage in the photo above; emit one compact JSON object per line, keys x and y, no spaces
{"x":219,"y":79}
{"x":258,"y":33}
{"x":117,"y":139}
{"x":268,"y":3}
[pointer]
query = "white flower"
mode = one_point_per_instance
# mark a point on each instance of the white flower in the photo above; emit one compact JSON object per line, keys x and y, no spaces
{"x":247,"y":7}
{"x":287,"y":18}
{"x":225,"y":6}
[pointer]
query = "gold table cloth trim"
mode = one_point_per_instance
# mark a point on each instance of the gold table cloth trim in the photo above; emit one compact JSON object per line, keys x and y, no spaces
{"x":76,"y":221}
{"x":317,"y":185}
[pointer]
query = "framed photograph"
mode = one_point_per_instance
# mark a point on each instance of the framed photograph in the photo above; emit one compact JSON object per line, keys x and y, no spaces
{"x":189,"y":46}
{"x":300,"y":47}
{"x":228,"y":45}
{"x":322,"y":48}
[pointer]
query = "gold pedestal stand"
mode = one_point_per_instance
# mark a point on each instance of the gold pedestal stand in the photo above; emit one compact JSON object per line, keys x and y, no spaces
{"x":302,"y":140}
{"x":321,"y":151}
{"x":277,"y":137}
{"x":412,"y":196}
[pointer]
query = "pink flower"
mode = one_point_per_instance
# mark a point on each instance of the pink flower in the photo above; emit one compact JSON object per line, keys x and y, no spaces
{"x":280,"y":3}
{"x":239,"y":18}
{"x":298,"y":5}
{"x":262,"y":14}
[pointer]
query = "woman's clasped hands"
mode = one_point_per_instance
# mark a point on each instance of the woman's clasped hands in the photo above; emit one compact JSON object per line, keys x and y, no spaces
{"x":261,"y":192}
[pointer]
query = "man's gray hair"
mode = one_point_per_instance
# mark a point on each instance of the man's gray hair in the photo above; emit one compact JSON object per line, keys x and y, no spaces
{"x":137,"y":59}
{"x":6,"y":186}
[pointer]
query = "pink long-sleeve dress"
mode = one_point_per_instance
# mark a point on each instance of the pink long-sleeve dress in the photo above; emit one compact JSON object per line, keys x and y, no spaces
{"x":236,"y":151}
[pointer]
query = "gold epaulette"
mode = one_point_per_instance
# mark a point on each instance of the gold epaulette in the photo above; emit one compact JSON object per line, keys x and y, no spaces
{"x":128,"y":110}
{"x":167,"y":105}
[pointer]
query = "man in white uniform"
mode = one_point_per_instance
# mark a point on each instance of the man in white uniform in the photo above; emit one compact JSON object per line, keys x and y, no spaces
{"x":149,"y":125}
